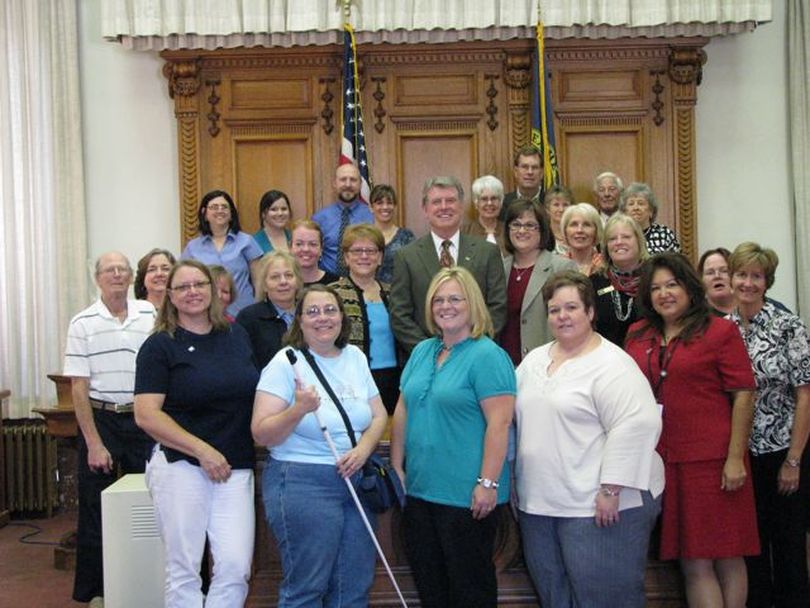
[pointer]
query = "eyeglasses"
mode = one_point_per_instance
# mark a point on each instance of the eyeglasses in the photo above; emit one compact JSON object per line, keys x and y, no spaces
{"x":218,"y":207}
{"x":358,"y":251}
{"x":452,"y":300}
{"x":313,"y":312}
{"x":518,"y":226}
{"x":186,"y":287}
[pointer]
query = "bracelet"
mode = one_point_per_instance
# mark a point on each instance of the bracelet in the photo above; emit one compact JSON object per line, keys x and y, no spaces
{"x":487,"y":483}
{"x":604,"y":491}
{"x":793,"y":463}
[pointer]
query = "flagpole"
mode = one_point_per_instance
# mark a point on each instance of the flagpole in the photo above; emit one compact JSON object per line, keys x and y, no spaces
{"x":548,"y":175}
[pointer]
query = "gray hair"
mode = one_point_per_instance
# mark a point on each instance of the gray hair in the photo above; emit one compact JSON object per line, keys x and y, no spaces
{"x":642,"y":190}
{"x":442,"y":181}
{"x":587,"y":211}
{"x":105,"y":254}
{"x":605,"y":175}
{"x":486,"y":182}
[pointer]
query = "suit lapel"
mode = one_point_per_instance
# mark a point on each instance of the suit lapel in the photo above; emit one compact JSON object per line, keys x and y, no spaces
{"x":467,"y":249}
{"x":428,"y":256}
{"x":539,"y":277}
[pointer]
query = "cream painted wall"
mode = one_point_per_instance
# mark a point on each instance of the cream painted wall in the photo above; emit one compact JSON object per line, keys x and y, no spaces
{"x":742,"y":148}
{"x":130,"y":142}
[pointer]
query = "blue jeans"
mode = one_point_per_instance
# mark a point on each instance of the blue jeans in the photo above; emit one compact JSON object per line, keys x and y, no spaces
{"x":575,"y":563}
{"x":327,"y":555}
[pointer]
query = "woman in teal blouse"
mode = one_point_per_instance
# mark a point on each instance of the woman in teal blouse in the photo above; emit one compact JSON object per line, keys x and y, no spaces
{"x":449,"y":443}
{"x":275,"y":214}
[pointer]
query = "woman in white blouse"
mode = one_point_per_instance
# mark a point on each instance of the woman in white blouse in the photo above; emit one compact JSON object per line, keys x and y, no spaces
{"x":589,"y":480}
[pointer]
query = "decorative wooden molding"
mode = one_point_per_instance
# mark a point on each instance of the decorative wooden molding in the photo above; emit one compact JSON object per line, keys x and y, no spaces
{"x":238,"y":129}
{"x":518,"y":76}
{"x":189,"y":176}
{"x":626,"y":119}
{"x":686,"y":65}
{"x":183,"y":77}
{"x":326,"y":111}
{"x":379,"y":96}
{"x":657,"y":104}
{"x":518,"y":70}
{"x":270,"y":58}
{"x":492,"y":93}
{"x":434,"y":55}
{"x":554,"y":55}
{"x":213,"y":115}
{"x":431,"y":126}
{"x":685,"y":145}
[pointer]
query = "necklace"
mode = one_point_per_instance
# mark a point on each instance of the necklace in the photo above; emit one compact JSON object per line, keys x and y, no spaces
{"x":617,"y":305}
{"x":521,"y":272}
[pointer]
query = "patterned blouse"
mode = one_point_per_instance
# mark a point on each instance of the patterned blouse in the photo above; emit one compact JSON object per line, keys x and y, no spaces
{"x":779,"y":346}
{"x":401,"y":238}
{"x":661,"y":238}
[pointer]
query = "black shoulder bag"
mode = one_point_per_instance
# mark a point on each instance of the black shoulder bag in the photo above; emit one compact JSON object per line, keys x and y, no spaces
{"x":380,"y":487}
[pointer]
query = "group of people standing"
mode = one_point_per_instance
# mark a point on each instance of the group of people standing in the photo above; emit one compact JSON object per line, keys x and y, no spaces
{"x":532,"y":334}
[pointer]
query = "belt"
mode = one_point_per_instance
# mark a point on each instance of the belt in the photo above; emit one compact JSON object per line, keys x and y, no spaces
{"x":108,"y":406}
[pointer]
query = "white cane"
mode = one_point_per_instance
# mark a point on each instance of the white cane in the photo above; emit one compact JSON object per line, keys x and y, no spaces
{"x":294,"y":362}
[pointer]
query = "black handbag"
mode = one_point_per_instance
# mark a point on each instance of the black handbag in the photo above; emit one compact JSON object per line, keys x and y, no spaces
{"x":380,"y":487}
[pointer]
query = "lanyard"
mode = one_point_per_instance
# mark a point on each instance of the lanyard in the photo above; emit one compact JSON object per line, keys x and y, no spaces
{"x":665,"y":355}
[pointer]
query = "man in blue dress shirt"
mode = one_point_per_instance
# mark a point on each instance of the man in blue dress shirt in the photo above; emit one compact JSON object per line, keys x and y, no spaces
{"x":335,"y":218}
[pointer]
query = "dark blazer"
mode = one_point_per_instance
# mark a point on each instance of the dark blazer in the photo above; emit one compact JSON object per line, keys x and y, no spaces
{"x":265,"y":328}
{"x":534,"y":330}
{"x":511,"y":197}
{"x":414,"y":268}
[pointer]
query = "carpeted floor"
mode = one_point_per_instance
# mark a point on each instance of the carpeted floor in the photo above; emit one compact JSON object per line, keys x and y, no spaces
{"x":27,"y":571}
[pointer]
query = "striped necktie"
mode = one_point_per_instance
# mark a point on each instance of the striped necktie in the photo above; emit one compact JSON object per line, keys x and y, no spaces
{"x":344,"y":223}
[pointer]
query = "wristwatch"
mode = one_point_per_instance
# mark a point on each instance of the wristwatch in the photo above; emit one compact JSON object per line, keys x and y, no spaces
{"x":487,"y":483}
{"x":605,"y":491}
{"x":793,"y":463}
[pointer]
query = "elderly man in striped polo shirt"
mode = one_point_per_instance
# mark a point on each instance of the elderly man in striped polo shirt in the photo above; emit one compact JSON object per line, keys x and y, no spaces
{"x":102,"y":343}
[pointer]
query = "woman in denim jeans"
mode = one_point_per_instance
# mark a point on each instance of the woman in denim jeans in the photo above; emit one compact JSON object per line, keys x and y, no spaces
{"x":327,"y":556}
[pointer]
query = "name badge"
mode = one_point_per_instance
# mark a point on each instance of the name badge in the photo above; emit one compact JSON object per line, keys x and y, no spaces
{"x":605,"y":290}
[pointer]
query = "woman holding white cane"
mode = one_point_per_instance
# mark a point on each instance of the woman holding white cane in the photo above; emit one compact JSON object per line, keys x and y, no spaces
{"x":327,"y":556}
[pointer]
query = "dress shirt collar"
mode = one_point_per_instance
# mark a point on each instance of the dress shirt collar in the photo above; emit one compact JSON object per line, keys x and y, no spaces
{"x":437,"y":244}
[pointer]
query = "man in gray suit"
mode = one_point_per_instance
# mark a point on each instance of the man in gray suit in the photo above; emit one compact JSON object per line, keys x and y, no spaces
{"x":417,"y":263}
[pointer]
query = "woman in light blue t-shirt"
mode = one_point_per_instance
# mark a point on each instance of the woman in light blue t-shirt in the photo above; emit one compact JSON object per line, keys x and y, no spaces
{"x":450,"y":436}
{"x":327,"y":556}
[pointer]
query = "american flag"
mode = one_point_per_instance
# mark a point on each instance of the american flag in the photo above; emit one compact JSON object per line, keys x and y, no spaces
{"x":353,"y":145}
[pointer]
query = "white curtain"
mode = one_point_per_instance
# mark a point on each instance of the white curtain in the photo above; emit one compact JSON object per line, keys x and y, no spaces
{"x":210,"y":24}
{"x":798,"y":40}
{"x":43,"y":276}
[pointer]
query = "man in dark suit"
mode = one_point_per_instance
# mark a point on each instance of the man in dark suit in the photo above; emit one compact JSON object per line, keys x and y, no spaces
{"x":528,"y":172}
{"x":417,"y":263}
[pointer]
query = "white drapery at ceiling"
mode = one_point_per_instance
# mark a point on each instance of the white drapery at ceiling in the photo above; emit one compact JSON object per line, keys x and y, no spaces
{"x":210,"y":24}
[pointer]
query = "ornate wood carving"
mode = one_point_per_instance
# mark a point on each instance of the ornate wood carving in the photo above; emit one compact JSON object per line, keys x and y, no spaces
{"x":379,"y":96}
{"x":686,"y":65}
{"x":492,"y":109}
{"x":517,"y":69}
{"x":326,"y":111}
{"x":427,"y":125}
{"x":183,"y":78}
{"x":657,"y":104}
{"x":687,"y":215}
{"x":189,"y":175}
{"x":213,"y":99}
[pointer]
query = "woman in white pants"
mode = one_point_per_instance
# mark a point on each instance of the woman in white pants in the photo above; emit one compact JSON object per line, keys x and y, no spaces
{"x":194,"y":386}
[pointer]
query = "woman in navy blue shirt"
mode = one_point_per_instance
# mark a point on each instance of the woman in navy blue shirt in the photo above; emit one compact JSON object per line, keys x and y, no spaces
{"x":194,"y":386}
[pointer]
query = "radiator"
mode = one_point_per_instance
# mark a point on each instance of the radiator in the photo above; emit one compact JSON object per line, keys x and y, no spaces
{"x":30,"y":467}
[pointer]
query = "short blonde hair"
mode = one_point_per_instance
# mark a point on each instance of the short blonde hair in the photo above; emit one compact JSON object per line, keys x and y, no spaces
{"x":479,"y":313}
{"x":267,"y":261}
{"x":626,"y":220}
{"x":587,"y":211}
{"x":750,"y":253}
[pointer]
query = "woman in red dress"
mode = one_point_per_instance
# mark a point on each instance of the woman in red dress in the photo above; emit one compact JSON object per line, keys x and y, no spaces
{"x":701,"y":375}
